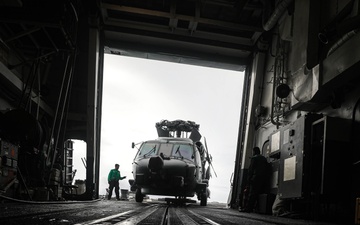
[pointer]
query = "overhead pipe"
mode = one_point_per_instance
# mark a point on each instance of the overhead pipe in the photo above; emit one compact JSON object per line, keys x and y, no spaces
{"x":22,"y":34}
{"x":39,"y":95}
{"x":65,"y":102}
{"x":274,"y":97}
{"x":57,"y":107}
{"x":26,"y":84}
{"x":50,"y":39}
{"x":32,"y":84}
{"x":68,"y":95}
{"x":277,"y":75}
{"x":11,"y":67}
{"x":278,"y":12}
{"x":71,"y":41}
{"x":336,"y":28}
{"x":342,"y":41}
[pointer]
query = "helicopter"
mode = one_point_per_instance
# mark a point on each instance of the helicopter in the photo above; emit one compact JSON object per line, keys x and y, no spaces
{"x":175,"y":164}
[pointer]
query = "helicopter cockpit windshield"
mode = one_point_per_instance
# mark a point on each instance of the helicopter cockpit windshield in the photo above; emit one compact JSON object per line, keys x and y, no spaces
{"x":168,"y":150}
{"x":148,"y":150}
{"x":183,"y":151}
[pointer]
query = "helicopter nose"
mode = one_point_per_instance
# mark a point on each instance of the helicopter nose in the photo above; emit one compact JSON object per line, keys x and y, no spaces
{"x":156,"y":163}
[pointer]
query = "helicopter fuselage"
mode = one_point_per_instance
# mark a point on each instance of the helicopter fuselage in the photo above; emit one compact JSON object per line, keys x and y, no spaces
{"x":169,"y":167}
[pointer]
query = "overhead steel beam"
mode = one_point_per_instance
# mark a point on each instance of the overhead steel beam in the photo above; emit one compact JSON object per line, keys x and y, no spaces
{"x":218,"y":23}
{"x":182,"y":35}
{"x":19,"y":85}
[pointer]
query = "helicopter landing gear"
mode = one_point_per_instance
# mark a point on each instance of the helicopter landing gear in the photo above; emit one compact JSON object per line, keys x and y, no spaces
{"x":203,"y":199}
{"x":138,"y":196}
{"x":179,"y":200}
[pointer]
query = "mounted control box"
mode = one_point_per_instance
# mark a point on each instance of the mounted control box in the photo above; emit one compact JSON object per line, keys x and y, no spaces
{"x":8,"y":164}
{"x":307,"y":150}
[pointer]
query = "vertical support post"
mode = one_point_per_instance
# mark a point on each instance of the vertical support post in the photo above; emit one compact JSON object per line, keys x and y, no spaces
{"x":99,"y":114}
{"x":254,"y":100}
{"x":246,"y":133}
{"x":92,"y":109}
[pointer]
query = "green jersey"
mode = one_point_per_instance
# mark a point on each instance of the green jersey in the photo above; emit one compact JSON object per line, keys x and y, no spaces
{"x":114,"y":175}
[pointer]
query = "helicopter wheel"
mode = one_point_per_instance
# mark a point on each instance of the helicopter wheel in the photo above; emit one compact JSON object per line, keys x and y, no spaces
{"x":138,"y":196}
{"x":203,"y":200}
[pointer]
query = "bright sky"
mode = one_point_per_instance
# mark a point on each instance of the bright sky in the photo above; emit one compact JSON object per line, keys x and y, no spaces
{"x":138,"y":93}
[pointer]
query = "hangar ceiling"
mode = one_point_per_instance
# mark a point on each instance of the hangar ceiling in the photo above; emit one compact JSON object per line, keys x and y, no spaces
{"x":44,"y":45}
{"x":213,"y":33}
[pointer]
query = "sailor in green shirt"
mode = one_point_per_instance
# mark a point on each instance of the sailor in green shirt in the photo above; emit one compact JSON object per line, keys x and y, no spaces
{"x":113,"y":179}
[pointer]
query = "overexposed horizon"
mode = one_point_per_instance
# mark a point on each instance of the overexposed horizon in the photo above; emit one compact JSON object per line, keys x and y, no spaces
{"x":138,"y":93}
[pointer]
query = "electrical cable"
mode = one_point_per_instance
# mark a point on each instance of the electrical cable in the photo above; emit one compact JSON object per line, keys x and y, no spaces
{"x":47,"y":202}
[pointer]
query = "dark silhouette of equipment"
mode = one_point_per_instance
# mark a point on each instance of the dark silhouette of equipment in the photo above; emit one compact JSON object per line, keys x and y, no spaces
{"x":176,"y":164}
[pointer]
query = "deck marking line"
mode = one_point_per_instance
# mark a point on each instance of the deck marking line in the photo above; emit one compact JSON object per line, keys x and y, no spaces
{"x":107,"y":218}
{"x":137,"y":219}
{"x":204,"y":218}
{"x":184,"y":218}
